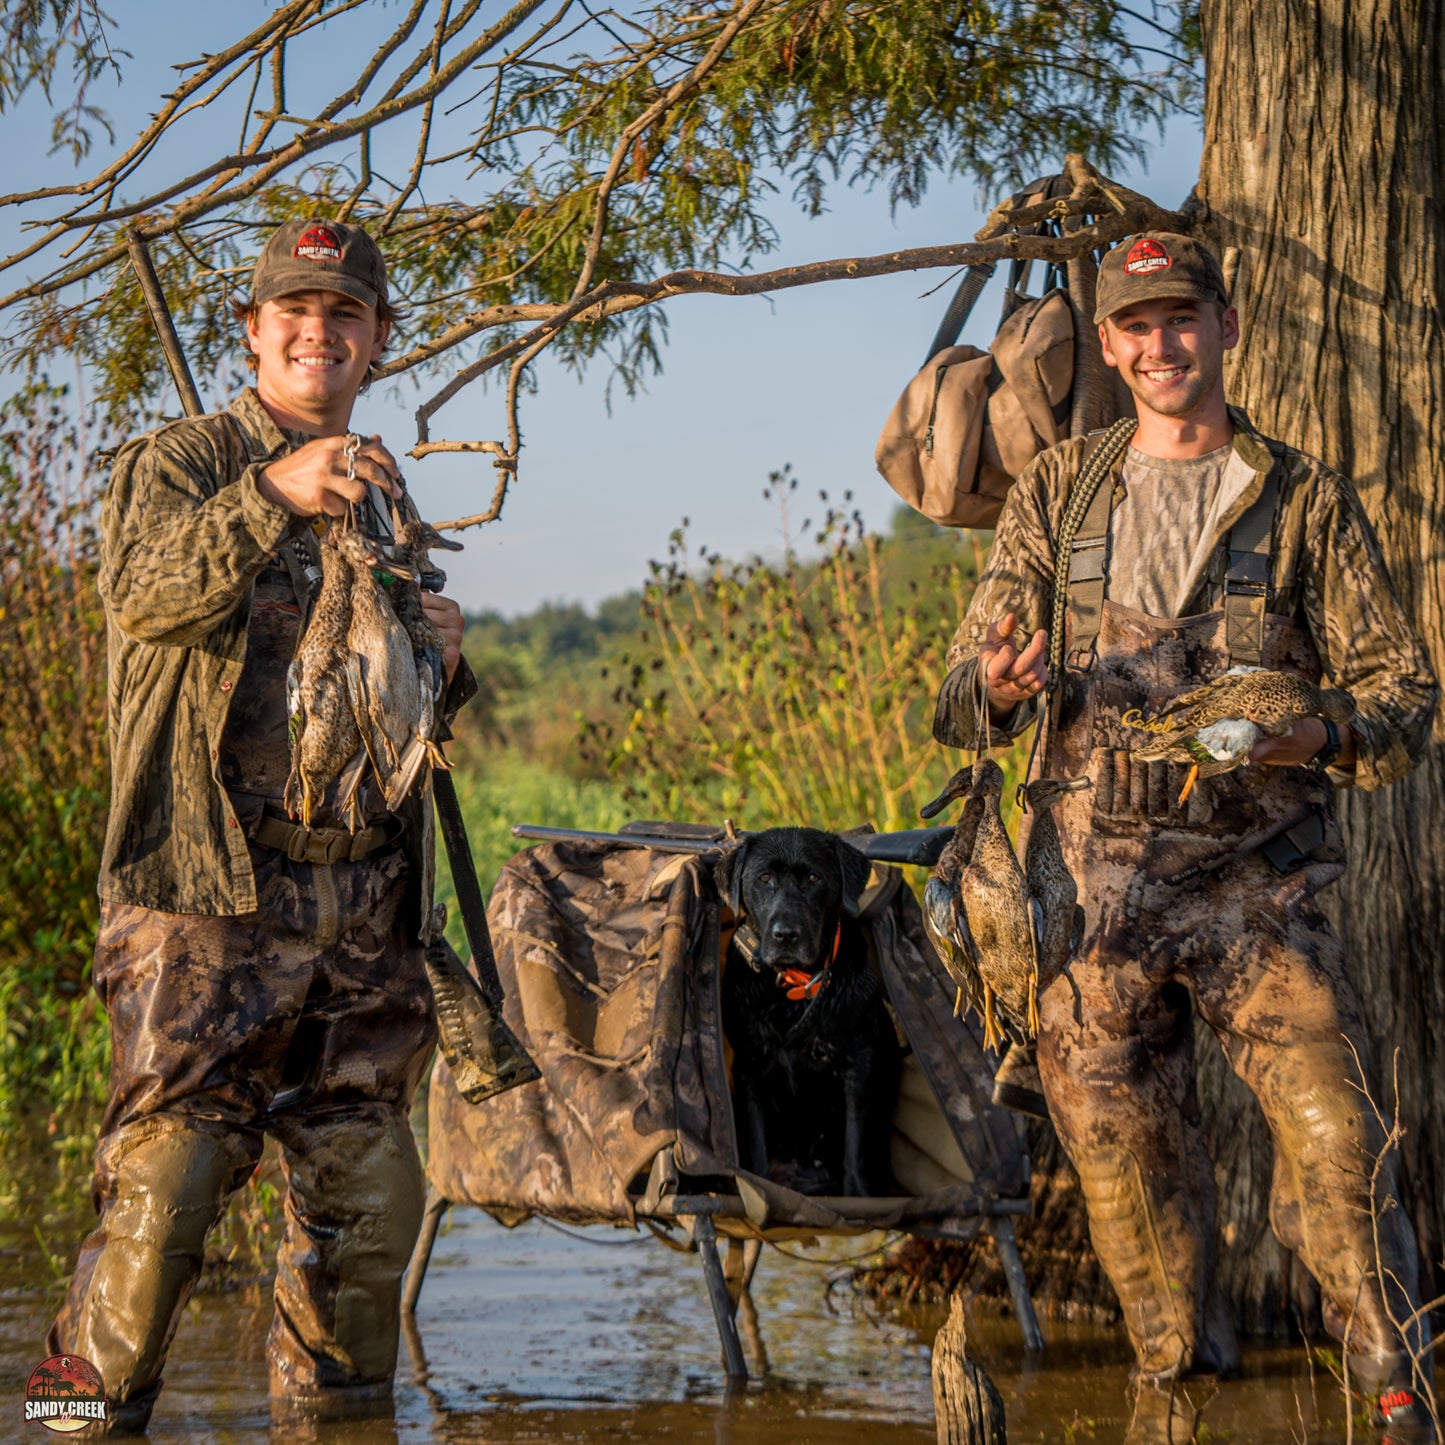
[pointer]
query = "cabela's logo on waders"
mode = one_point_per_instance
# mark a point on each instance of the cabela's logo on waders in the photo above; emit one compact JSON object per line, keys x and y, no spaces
{"x":65,"y":1393}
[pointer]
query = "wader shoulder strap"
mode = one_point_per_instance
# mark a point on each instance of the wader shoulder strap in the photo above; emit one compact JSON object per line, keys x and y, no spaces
{"x":1247,"y":573}
{"x":299,"y":553}
{"x":1081,"y":553}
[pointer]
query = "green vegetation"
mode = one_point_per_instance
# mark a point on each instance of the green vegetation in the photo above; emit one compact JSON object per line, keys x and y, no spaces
{"x":55,"y":784}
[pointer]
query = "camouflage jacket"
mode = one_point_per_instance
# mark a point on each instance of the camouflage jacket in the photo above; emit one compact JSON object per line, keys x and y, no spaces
{"x":184,"y":533}
{"x":1328,"y":574}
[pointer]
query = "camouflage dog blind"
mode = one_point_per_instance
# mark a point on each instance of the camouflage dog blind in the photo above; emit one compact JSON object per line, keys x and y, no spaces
{"x":610,"y":957}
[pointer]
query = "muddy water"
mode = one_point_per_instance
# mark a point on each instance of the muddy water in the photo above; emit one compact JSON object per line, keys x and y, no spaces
{"x":536,"y":1335}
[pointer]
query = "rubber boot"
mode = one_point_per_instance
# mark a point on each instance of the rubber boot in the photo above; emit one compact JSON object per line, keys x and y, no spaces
{"x":1322,"y":1207}
{"x":1160,"y":1266}
{"x":1162,"y":1415}
{"x":353,"y":1211}
{"x":166,"y":1189}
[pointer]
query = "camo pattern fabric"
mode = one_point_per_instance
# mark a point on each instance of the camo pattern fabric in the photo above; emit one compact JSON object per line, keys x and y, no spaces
{"x":611,"y":961}
{"x":1252,"y":950}
{"x":1179,"y":902}
{"x":1328,"y":576}
{"x":211,"y":1018}
{"x":185,"y":533}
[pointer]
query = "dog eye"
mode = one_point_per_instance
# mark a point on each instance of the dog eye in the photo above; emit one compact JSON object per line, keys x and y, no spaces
{"x":813,"y":880}
{"x":766,"y":879}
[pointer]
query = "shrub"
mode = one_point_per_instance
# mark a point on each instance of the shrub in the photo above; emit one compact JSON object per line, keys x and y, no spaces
{"x":55,"y":786}
{"x":799,"y":693}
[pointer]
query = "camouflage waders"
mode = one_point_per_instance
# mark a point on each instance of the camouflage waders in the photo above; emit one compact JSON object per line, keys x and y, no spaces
{"x":1212,"y":903}
{"x":319,"y":997}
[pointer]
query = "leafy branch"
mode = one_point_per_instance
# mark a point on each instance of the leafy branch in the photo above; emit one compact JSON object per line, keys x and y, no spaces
{"x":579,"y":150}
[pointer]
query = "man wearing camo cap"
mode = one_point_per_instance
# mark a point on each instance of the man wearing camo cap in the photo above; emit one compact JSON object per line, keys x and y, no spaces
{"x":1206,"y":546}
{"x":260,"y":977}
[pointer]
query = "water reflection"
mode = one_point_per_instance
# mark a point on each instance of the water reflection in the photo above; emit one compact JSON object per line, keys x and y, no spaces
{"x":536,"y":1335}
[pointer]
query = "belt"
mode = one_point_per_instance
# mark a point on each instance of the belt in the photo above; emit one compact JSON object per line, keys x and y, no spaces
{"x":320,"y":845}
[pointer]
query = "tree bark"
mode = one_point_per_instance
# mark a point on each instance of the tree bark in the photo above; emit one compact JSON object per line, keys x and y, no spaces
{"x":1324,"y":146}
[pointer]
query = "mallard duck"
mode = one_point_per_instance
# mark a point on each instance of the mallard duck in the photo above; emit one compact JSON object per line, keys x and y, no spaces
{"x":382,"y":677}
{"x":1058,"y":919}
{"x":325,"y":741}
{"x":943,"y":916}
{"x":1214,"y":727}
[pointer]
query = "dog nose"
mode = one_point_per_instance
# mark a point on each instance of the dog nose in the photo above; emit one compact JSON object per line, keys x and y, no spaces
{"x":785,"y":933}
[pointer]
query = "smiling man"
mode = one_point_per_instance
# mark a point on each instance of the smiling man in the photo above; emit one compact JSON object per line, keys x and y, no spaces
{"x":1206,"y":546}
{"x":260,"y":977}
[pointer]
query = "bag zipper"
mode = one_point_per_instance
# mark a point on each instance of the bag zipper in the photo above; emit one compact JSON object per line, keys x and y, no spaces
{"x":933,"y":410}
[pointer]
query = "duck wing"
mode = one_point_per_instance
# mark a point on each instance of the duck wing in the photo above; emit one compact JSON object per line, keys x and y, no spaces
{"x":947,"y":927}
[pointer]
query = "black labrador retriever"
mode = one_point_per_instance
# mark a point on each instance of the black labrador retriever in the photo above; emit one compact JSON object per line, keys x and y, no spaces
{"x":815,"y":1055}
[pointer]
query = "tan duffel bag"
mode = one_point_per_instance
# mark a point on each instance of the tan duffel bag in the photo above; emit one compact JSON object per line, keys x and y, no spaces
{"x":970,"y":421}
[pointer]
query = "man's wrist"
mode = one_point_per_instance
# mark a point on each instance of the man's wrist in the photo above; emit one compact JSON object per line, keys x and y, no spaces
{"x":1329,"y":751}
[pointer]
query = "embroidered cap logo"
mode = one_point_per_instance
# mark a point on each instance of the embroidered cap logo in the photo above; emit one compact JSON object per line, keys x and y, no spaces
{"x":1145,"y":257}
{"x":318,"y":243}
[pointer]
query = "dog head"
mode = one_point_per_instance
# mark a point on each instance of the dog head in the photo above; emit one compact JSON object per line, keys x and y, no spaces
{"x":793,"y":884}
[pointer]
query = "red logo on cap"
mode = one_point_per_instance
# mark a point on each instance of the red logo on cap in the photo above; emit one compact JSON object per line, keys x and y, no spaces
{"x":1146,"y":256}
{"x":321,"y":243}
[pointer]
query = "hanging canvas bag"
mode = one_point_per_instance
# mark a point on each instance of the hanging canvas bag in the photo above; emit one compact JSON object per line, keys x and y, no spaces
{"x":970,"y":421}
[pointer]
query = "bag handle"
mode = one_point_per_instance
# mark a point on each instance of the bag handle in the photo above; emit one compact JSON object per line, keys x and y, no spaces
{"x":960,"y":308}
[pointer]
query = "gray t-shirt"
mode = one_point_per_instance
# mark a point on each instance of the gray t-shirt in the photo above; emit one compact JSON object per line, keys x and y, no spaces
{"x":1157,"y":526}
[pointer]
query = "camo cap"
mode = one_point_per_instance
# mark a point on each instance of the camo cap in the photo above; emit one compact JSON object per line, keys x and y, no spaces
{"x":318,"y":255}
{"x":1155,"y":266}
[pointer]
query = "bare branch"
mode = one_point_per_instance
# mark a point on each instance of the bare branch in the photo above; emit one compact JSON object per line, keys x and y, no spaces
{"x":611,"y":298}
{"x":269,"y":163}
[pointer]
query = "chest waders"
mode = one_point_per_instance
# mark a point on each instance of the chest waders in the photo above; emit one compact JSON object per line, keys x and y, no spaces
{"x":1208,"y":907}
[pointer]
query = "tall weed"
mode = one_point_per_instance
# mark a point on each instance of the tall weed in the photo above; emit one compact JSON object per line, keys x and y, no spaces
{"x":54,"y":788}
{"x":800,"y":693}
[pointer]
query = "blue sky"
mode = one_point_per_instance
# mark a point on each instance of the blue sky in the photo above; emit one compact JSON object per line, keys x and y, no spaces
{"x":804,"y":378}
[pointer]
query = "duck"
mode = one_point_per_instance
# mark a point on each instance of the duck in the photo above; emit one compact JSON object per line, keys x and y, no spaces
{"x":1053,"y":894}
{"x":998,"y":932}
{"x":325,"y":740}
{"x":383,"y":681}
{"x":1214,"y":727}
{"x":943,"y":917}
{"x":414,"y":540}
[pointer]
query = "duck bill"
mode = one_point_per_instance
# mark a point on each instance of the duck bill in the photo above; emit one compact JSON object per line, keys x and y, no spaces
{"x":959,"y":785}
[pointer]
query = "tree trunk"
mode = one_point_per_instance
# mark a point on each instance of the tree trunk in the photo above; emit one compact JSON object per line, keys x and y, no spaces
{"x":1321,"y":175}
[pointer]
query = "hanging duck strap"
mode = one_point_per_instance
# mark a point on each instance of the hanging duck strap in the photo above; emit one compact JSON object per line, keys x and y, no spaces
{"x":1083,"y":539}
